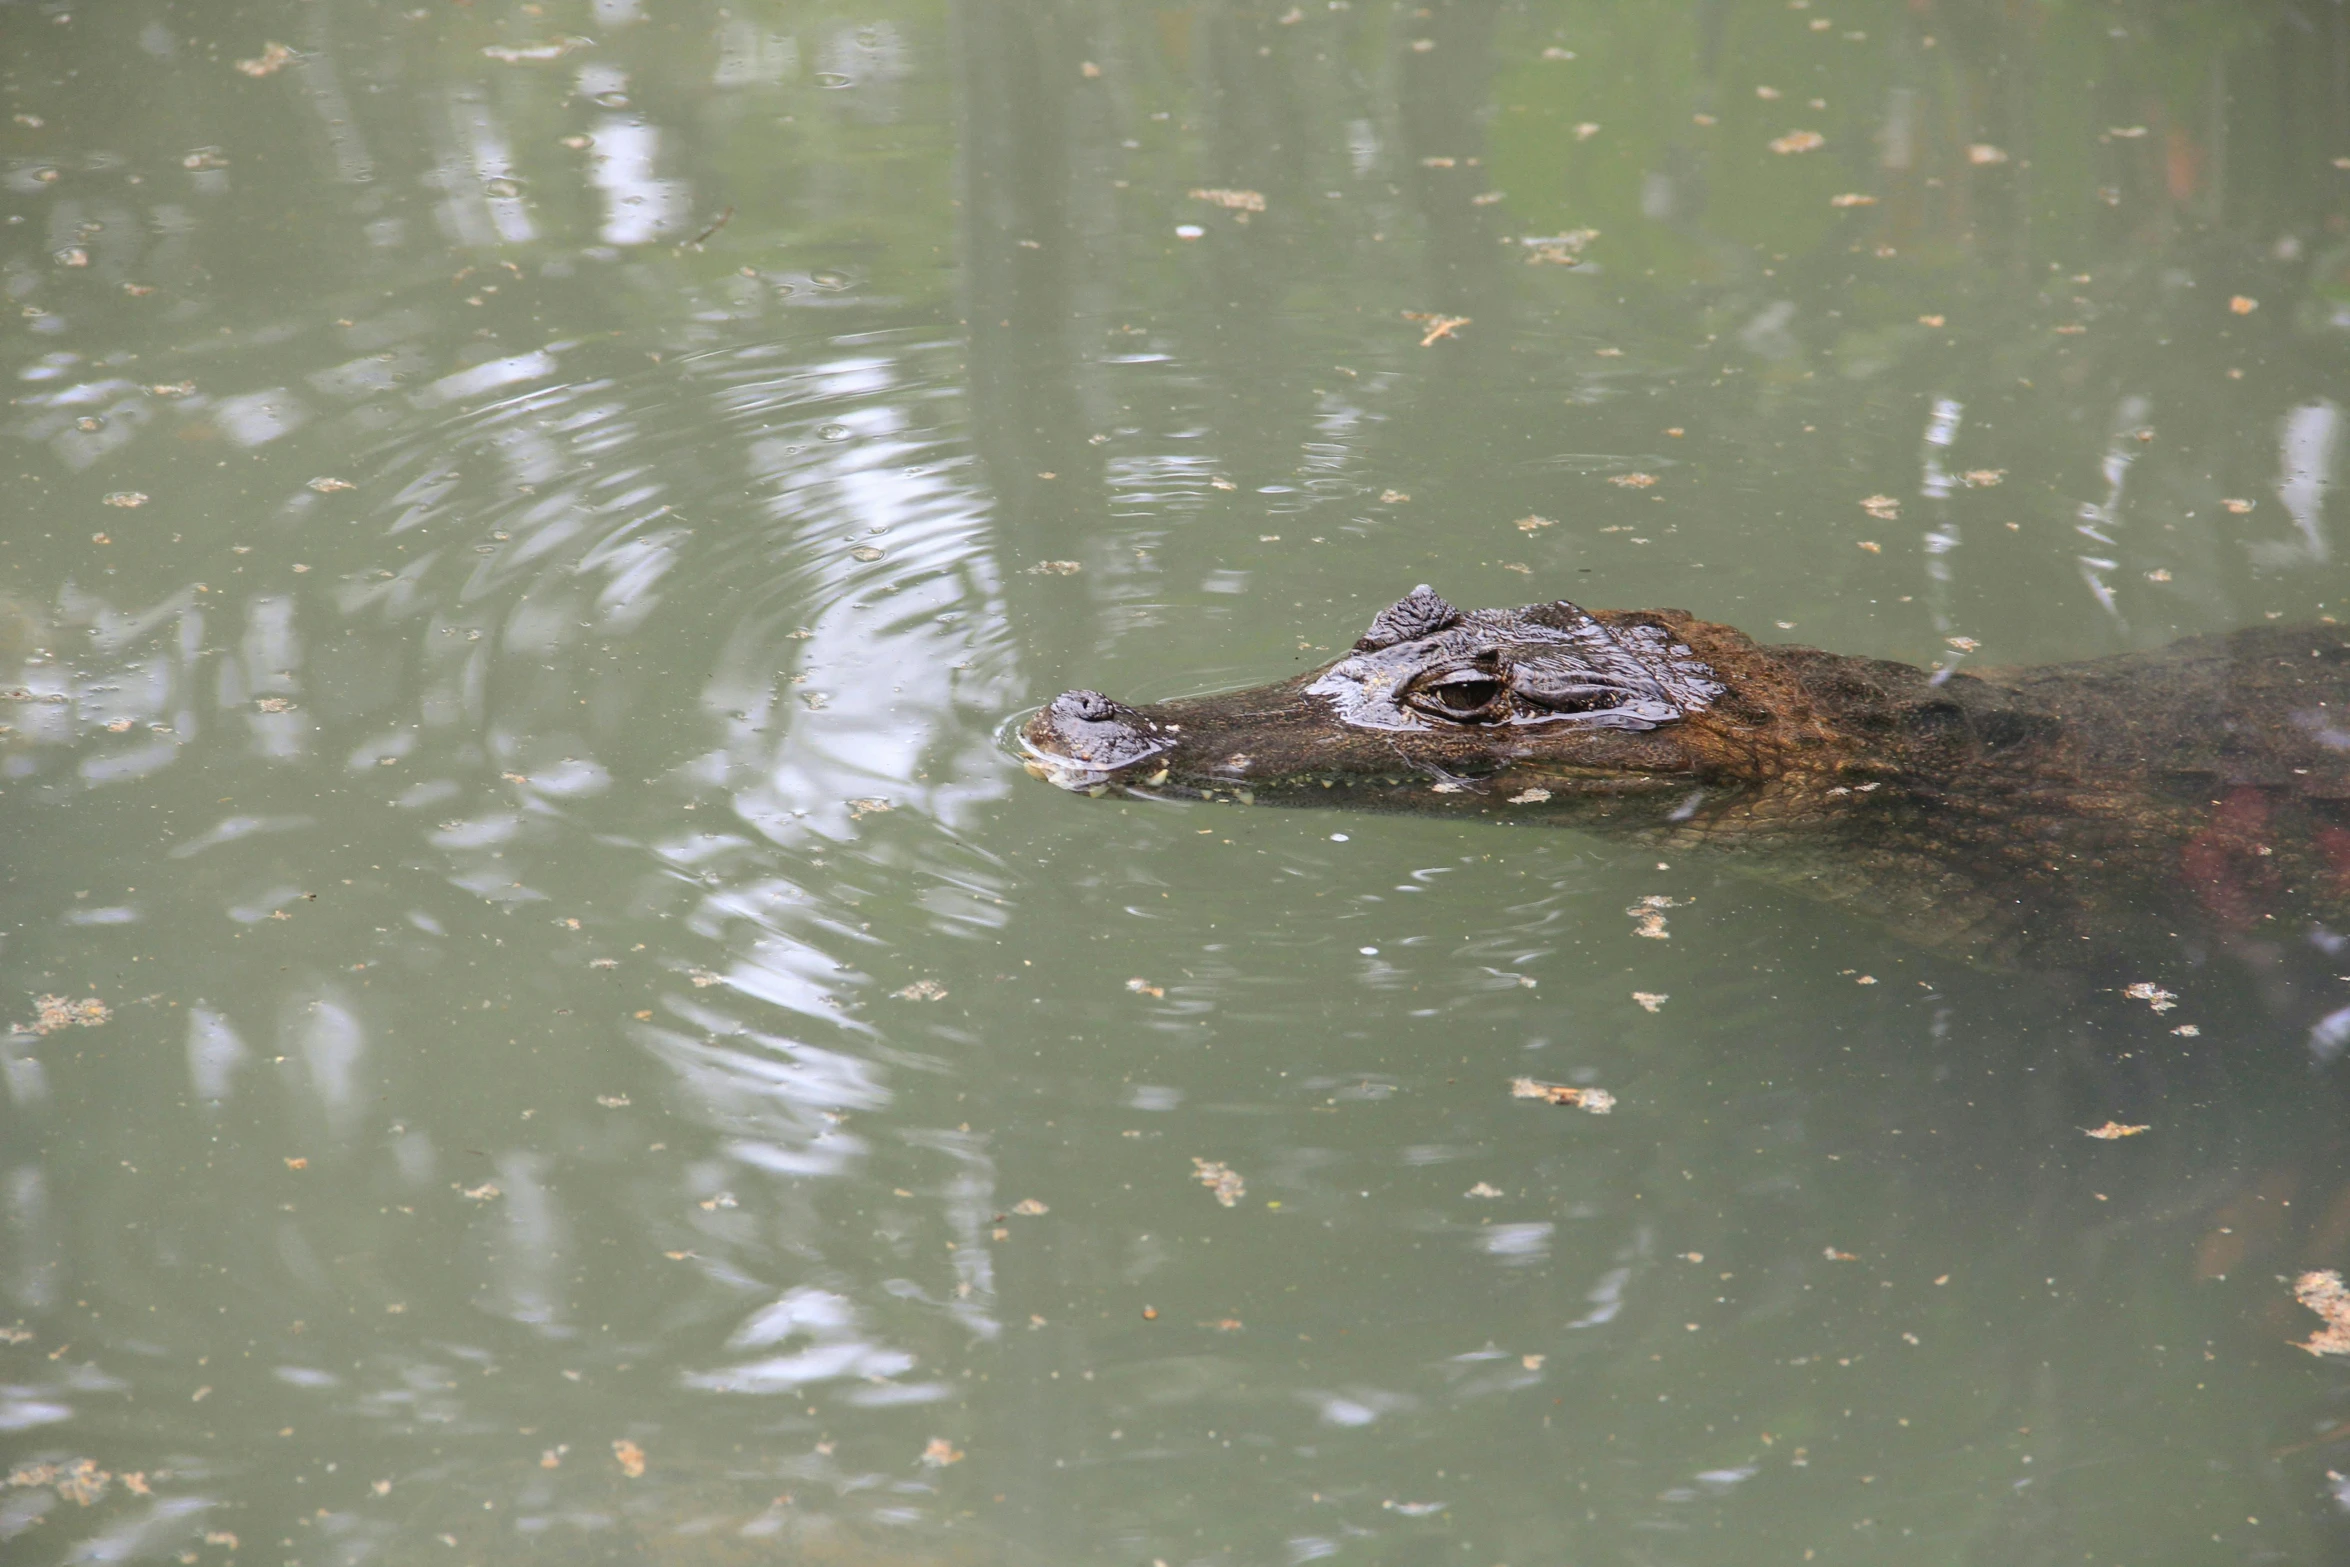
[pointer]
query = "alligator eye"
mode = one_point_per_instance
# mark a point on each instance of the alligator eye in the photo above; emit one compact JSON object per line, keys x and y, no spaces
{"x":1468,"y":697}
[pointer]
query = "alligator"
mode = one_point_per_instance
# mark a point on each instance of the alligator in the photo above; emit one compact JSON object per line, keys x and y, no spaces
{"x":2010,"y":818}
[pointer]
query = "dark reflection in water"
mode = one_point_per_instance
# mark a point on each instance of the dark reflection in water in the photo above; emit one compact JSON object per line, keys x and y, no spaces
{"x":528,"y":965}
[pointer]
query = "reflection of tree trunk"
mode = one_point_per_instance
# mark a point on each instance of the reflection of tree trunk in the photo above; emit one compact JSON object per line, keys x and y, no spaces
{"x":1255,"y":141}
{"x":1024,"y":248}
{"x":1443,"y":93}
{"x":1025,"y":146}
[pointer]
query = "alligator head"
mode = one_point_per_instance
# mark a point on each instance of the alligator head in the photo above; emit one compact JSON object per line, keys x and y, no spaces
{"x":1546,"y":709}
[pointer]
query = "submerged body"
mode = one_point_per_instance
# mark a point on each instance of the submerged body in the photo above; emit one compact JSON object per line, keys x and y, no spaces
{"x":2011,"y":817}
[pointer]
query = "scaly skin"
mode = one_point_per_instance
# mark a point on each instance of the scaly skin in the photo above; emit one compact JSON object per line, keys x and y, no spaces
{"x":2031,"y":816}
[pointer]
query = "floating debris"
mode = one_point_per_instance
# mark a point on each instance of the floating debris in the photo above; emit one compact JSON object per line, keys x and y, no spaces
{"x":2323,"y":1293}
{"x":922,"y":990}
{"x":630,"y":1456}
{"x":487,"y":1191}
{"x":532,"y":54}
{"x":1982,"y":478}
{"x":52,"y":1013}
{"x":1882,"y":507}
{"x":1532,"y":1362}
{"x":1554,"y":52}
{"x":1143,"y":987}
{"x":298,"y":1163}
{"x":1439,"y":326}
{"x":702,"y":978}
{"x":1798,"y":141}
{"x":2238,"y":507}
{"x":1632,"y":481}
{"x":1532,"y":524}
{"x":327,"y":484}
{"x":1221,"y":1179}
{"x":2243,"y":304}
{"x":1056,"y":568}
{"x":1649,"y":916}
{"x":1852,"y":198}
{"x":1596,"y":1100}
{"x":613,"y":1101}
{"x":1557,"y":250}
{"x":940,"y":1452}
{"x":2156,"y":998}
{"x":126,"y":499}
{"x":1484,"y":1189}
{"x":1833,"y":1255}
{"x":272,"y":704}
{"x":274,"y":57}
{"x":2113,"y":1131}
{"x":174,"y":388}
{"x":860,"y":809}
{"x":1393,"y":497}
{"x":1586,"y":130}
{"x":1530,"y":797}
{"x":1230,"y":200}
{"x":1650,"y":1001}
{"x":1029,"y":1208}
{"x":1983,"y":153}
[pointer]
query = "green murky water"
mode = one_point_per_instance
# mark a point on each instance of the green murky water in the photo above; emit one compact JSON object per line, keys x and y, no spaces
{"x":523,"y":522}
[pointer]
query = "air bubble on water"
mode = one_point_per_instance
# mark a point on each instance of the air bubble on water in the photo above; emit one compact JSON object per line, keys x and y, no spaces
{"x":612,"y":100}
{"x":504,"y":187}
{"x":1338,"y":837}
{"x":829,"y":279}
{"x":833,"y":79}
{"x":833,"y":432}
{"x":781,"y":289}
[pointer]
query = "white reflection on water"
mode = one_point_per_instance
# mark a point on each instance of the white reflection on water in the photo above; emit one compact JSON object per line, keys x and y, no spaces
{"x":1355,"y":1406}
{"x":2100,"y":521}
{"x":838,"y":1347}
{"x":214,"y":1054}
{"x":331,"y":1042}
{"x":2305,"y":459}
{"x":32,"y":1258}
{"x":531,"y":1256}
{"x":1516,"y":1244}
{"x":1606,"y":1299}
{"x":639,"y":206}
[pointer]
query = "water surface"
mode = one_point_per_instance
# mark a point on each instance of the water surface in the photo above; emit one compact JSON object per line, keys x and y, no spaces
{"x":567,"y":1038}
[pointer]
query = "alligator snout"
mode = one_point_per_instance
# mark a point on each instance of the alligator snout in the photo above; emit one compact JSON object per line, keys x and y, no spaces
{"x":1083,"y":738}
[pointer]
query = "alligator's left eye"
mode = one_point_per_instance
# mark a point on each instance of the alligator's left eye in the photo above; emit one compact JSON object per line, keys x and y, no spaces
{"x":1468,"y":696}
